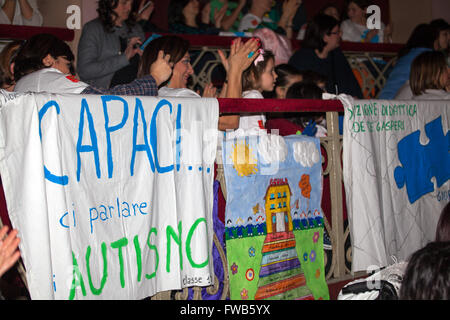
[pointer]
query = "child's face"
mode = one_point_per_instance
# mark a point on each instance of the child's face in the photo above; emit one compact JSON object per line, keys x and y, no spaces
{"x":355,"y":13}
{"x":268,"y":77}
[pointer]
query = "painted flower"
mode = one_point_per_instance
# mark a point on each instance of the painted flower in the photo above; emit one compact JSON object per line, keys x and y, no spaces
{"x":234,"y":268}
{"x":251,"y":252}
{"x":312,"y":256}
{"x":305,"y":256}
{"x":244,"y":294}
{"x":316,"y":236}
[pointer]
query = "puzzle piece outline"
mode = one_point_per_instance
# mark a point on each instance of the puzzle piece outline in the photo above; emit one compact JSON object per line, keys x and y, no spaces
{"x":419,"y":163}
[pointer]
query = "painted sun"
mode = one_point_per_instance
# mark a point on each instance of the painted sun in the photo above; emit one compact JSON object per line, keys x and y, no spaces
{"x":244,"y":161}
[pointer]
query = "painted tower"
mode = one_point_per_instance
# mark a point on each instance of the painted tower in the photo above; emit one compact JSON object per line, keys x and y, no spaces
{"x":281,"y":275}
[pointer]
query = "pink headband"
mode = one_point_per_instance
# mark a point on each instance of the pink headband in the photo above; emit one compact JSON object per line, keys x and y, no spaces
{"x":260,"y":57}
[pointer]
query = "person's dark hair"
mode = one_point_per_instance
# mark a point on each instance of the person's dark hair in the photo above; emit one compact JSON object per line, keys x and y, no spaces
{"x":443,"y":225}
{"x":7,"y":56}
{"x":176,"y":15}
{"x":363,"y":4}
{"x":284,"y":71}
{"x":426,"y":71}
{"x":423,"y":36}
{"x":173,"y":45}
{"x":34,"y":50}
{"x":440,"y":25}
{"x":314,"y":77}
{"x":427,"y":275}
{"x":320,"y":26}
{"x":253,"y":73}
{"x":107,"y":15}
{"x":304,"y":90}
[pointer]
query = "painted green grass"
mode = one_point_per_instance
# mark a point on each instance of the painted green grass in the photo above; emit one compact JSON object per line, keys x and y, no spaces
{"x":245,"y":253}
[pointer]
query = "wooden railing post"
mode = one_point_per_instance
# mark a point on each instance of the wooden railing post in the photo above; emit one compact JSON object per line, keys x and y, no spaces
{"x":337,"y":219}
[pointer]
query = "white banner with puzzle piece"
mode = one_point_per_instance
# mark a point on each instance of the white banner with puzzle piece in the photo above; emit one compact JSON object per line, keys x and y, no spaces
{"x":112,"y":195}
{"x":396,"y":172}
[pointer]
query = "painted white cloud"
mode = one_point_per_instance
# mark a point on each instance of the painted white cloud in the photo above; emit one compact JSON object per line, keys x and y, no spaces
{"x":272,"y":148}
{"x":306,"y":153}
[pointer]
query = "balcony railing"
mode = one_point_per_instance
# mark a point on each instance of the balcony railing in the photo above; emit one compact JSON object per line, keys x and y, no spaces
{"x":363,"y":58}
{"x":339,"y":268}
{"x":370,"y":62}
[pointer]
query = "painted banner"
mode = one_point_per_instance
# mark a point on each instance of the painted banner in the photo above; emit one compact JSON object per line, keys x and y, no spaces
{"x":112,"y":195}
{"x":396,"y":173}
{"x":274,"y":223}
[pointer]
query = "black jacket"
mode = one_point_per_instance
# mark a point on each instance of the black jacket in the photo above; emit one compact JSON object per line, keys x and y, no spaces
{"x":335,"y":67}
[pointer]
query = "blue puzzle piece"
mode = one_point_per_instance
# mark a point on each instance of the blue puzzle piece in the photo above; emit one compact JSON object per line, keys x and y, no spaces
{"x":421,"y":163}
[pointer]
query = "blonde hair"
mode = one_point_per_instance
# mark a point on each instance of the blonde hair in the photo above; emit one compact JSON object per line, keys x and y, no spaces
{"x":426,"y":71}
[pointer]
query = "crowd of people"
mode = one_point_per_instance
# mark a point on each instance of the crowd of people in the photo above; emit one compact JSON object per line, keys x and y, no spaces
{"x":114,"y":58}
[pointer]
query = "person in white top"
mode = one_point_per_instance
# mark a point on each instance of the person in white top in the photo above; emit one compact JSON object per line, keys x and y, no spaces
{"x":44,"y":64}
{"x":355,"y":27}
{"x":259,"y":77}
{"x":50,"y":80}
{"x":20,"y":12}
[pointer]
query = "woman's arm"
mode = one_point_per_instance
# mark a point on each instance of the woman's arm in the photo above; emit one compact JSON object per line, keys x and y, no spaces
{"x":30,"y":13}
{"x":89,"y":65}
{"x":238,"y":60}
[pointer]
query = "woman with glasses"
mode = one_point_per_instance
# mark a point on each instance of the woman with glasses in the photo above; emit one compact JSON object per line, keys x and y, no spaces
{"x":320,"y":53}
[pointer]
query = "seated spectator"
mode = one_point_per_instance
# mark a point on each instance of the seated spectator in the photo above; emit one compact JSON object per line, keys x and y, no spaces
{"x":45,"y":64}
{"x":305,"y":85}
{"x":256,"y":79}
{"x":427,"y":276}
{"x":20,"y":12}
{"x":108,"y":51}
{"x":233,"y":15}
{"x":314,"y":124}
{"x":178,"y":47}
{"x":423,"y":38}
{"x":318,"y":79}
{"x":286,"y":76}
{"x":355,"y":27}
{"x":9,"y":254}
{"x":185,"y":17}
{"x":177,"y":84}
{"x":7,"y":57}
{"x":320,"y":53}
{"x":429,"y":76}
{"x":443,"y":28}
{"x":261,"y":15}
{"x":329,"y":9}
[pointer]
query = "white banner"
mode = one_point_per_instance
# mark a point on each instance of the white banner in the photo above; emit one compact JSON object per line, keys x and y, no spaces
{"x":112,"y":195}
{"x":396,"y":173}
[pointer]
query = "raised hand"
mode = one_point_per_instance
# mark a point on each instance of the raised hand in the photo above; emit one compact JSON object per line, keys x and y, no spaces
{"x":8,"y":249}
{"x":133,"y":47}
{"x":161,"y":69}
